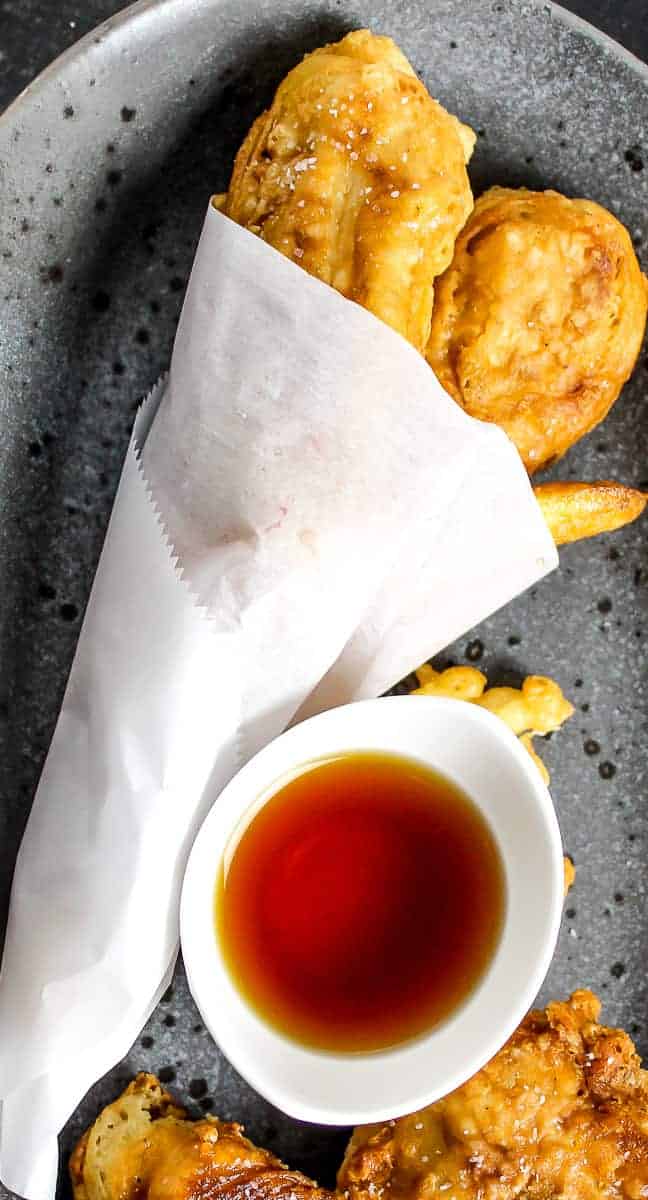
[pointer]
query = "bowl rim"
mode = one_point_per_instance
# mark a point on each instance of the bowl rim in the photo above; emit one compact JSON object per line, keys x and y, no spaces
{"x":237,"y":1028}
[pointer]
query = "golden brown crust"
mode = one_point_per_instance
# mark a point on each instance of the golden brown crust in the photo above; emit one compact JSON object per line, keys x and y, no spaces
{"x":538,"y":321}
{"x":77,"y":1165}
{"x":561,"y":1111}
{"x":569,"y":872}
{"x":537,"y":707}
{"x":143,"y":1146}
{"x":580,"y":510}
{"x":358,"y":175}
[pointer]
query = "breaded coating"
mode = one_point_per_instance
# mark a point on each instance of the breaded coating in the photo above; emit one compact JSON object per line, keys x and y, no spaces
{"x":581,"y":510}
{"x":539,"y":319}
{"x":537,"y":707}
{"x":570,"y":873}
{"x":359,"y":176}
{"x":143,"y":1146}
{"x":561,"y":1111}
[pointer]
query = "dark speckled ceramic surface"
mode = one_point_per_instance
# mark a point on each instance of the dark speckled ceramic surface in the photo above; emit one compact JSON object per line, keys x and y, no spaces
{"x":106,"y":164}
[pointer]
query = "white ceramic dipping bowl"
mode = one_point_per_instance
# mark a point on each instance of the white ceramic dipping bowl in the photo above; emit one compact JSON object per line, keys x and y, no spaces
{"x":479,"y":753}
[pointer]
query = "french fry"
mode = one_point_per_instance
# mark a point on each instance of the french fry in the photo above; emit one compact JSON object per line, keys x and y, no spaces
{"x":581,"y":510}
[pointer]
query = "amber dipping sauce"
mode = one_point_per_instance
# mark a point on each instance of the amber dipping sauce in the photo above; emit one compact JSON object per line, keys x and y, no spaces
{"x":362,"y":904}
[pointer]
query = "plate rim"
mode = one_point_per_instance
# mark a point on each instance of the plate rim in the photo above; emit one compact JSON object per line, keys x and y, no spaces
{"x":125,"y":17}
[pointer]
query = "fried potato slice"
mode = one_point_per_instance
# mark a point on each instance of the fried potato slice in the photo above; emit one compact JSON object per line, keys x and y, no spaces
{"x":359,"y":176}
{"x":538,"y":321}
{"x":538,"y":707}
{"x":581,"y":510}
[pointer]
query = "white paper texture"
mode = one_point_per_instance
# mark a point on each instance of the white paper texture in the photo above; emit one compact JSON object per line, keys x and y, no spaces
{"x":341,"y":519}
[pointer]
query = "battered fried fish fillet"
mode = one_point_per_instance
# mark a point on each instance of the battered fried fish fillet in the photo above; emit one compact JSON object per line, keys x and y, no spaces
{"x":538,"y":321}
{"x":143,"y":1146}
{"x":357,"y":174}
{"x":561,"y":1111}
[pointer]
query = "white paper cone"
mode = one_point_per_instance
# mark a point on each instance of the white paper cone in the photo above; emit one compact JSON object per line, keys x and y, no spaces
{"x":340,"y":517}
{"x":109,"y":832}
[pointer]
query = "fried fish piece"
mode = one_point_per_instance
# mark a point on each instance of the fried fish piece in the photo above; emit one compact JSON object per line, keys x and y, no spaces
{"x":539,"y":319}
{"x":561,"y":1111}
{"x":537,"y":707}
{"x":143,"y":1146}
{"x":581,"y":510}
{"x":359,"y":176}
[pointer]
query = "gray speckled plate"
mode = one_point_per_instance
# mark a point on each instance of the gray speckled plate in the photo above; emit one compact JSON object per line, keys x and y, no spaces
{"x":106,"y":164}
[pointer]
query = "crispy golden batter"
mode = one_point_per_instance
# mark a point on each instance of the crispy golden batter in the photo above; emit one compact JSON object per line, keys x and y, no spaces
{"x":538,"y":707}
{"x":581,"y":510}
{"x":358,"y":175}
{"x":570,"y":873}
{"x":538,"y":320}
{"x":561,"y":1111}
{"x":143,"y":1146}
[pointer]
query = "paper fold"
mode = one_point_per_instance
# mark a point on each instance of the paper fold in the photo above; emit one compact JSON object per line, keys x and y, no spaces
{"x":339,"y":518}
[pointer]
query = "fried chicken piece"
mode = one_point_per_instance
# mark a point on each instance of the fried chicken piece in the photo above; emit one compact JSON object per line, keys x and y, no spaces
{"x":561,"y":1111}
{"x":539,"y":319}
{"x":143,"y":1146}
{"x":359,"y":176}
{"x":581,"y":510}
{"x":537,"y":707}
